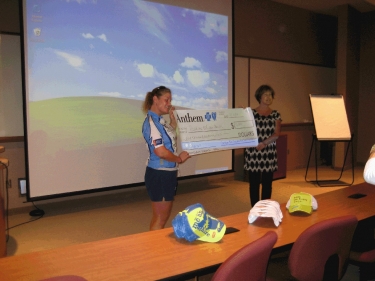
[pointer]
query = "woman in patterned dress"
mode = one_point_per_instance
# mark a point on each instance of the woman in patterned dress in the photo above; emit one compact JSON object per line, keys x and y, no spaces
{"x":261,"y":161}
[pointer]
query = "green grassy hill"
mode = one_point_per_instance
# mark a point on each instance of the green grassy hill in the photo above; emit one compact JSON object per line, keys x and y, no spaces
{"x":87,"y":121}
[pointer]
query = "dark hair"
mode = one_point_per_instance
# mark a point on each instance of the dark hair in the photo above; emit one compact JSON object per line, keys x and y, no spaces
{"x":261,"y":90}
{"x":158,"y":91}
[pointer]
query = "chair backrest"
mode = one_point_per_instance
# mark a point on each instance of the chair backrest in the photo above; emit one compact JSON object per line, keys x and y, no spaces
{"x":249,"y":262}
{"x":318,"y":244}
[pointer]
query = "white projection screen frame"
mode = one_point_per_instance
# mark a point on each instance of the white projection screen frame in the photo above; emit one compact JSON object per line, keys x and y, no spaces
{"x":330,"y":118}
{"x":88,"y":66}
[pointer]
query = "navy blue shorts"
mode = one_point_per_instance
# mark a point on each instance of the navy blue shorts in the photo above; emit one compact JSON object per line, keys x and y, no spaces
{"x":161,"y":185}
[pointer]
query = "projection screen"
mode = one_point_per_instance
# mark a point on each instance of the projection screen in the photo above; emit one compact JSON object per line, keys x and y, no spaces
{"x":88,"y":65}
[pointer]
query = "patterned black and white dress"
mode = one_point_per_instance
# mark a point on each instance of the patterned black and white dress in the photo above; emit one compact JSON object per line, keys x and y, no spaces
{"x":264,"y":160}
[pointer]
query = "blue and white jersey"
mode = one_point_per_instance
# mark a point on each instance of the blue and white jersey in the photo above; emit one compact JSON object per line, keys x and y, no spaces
{"x":157,"y":133}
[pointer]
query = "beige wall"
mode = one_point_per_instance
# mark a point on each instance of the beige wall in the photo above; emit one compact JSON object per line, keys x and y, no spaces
{"x":268,"y":30}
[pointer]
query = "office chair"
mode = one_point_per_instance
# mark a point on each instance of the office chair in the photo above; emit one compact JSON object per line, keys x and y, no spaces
{"x":366,"y":263}
{"x":65,"y":278}
{"x":321,"y":252}
{"x":249,"y":262}
{"x":362,"y":252}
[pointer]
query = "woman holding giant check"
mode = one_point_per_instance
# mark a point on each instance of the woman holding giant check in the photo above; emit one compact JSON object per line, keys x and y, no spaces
{"x":162,"y":164}
{"x":261,"y":161}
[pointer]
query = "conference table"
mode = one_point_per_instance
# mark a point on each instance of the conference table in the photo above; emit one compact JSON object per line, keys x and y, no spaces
{"x":156,"y":255}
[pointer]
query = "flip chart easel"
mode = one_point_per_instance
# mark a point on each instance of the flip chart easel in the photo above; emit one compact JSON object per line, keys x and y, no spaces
{"x":331,"y":124}
{"x":329,"y":182}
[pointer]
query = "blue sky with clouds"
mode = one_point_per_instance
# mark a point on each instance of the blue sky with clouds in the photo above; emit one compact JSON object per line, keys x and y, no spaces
{"x":124,"y":49}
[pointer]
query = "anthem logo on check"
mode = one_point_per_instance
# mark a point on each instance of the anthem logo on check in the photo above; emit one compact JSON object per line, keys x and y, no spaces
{"x":208,"y":116}
{"x":188,"y":118}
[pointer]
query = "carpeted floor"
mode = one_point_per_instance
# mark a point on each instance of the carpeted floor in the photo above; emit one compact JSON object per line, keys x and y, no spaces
{"x":102,"y":216}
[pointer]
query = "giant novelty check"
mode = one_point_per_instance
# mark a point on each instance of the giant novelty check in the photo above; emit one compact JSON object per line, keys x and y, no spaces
{"x":203,"y":131}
